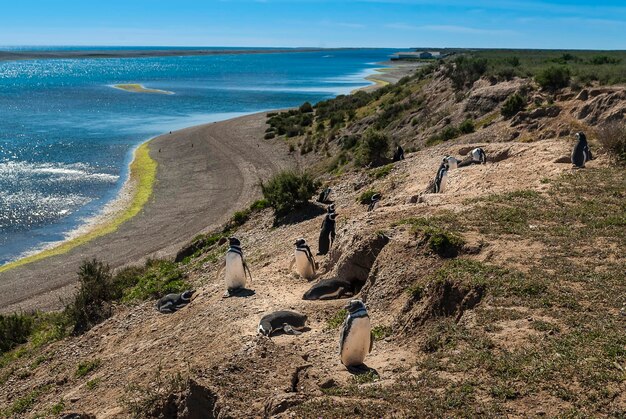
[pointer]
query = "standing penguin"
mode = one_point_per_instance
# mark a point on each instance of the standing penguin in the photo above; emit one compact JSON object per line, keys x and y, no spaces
{"x":452,"y":162}
{"x":478,"y":155}
{"x":327,"y":234}
{"x":440,"y":179}
{"x":374,"y":202}
{"x":172,"y":302}
{"x":323,"y":198}
{"x":356,"y":339}
{"x":236,"y":268}
{"x":398,"y":154}
{"x":305,"y":264}
{"x":581,"y":153}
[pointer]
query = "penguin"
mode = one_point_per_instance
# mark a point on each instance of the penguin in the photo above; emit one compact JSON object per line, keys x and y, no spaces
{"x":236,"y":268}
{"x":330,"y":209}
{"x":374,"y":202}
{"x":289,"y":322}
{"x":303,"y":258}
{"x":356,"y":338}
{"x":440,"y":179}
{"x":323,"y":198}
{"x":172,"y":302}
{"x":327,"y":233}
{"x":452,"y":162}
{"x":581,"y":153}
{"x":478,"y":155}
{"x":398,"y":154}
{"x":330,"y":289}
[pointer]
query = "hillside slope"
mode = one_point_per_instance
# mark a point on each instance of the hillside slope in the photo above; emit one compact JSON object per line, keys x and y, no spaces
{"x":500,"y":296}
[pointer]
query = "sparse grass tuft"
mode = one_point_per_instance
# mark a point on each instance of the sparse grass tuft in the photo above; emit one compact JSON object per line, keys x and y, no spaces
{"x":381,"y":332}
{"x":86,"y":367}
{"x":337,"y":320}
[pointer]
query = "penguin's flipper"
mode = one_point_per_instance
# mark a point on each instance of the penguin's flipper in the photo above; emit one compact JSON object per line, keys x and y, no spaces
{"x":167,"y":308}
{"x":290,"y":330}
{"x":371,"y":342}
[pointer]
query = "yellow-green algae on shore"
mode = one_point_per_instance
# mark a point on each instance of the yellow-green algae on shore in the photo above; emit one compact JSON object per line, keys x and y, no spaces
{"x":140,"y":88}
{"x":142,"y":174}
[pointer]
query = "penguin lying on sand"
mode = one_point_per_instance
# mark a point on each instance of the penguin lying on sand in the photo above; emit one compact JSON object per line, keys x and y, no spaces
{"x":303,"y":258}
{"x":236,"y":268}
{"x":172,"y":302}
{"x":356,"y":338}
{"x":581,"y":153}
{"x":476,"y":156}
{"x":330,"y":289}
{"x":289,"y":322}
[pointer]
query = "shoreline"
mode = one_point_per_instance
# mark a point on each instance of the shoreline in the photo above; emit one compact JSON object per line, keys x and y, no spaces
{"x":127,"y":203}
{"x":135,"y":194}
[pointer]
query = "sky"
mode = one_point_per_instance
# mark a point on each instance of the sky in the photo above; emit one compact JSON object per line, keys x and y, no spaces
{"x":551,"y":24}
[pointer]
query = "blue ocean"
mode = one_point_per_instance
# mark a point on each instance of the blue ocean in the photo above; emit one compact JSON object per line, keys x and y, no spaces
{"x":67,"y":136}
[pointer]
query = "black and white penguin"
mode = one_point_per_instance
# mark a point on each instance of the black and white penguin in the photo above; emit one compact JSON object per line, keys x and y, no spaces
{"x":172,"y":302}
{"x":330,"y":289}
{"x":327,"y":234}
{"x":373,"y":202}
{"x":451,"y":161}
{"x":235,"y":268}
{"x":440,"y":179}
{"x":323,"y":198}
{"x":303,"y":259}
{"x":581,"y":153}
{"x":398,"y":154}
{"x":330,"y":209}
{"x":356,"y":339}
{"x":289,"y":322}
{"x":478,"y":155}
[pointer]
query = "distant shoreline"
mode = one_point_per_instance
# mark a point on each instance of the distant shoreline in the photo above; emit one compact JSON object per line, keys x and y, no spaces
{"x":139,"y":53}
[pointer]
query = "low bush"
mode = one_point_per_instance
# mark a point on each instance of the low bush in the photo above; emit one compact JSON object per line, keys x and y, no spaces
{"x":366,"y":197}
{"x":553,"y":78}
{"x":14,"y":330}
{"x":612,"y":136}
{"x":92,"y":302}
{"x":288,"y":190}
{"x":373,"y":149}
{"x":466,"y":127}
{"x":159,"y":277}
{"x":513,"y":105}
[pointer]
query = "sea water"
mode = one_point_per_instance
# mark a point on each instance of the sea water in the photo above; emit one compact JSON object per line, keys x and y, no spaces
{"x":67,"y":136}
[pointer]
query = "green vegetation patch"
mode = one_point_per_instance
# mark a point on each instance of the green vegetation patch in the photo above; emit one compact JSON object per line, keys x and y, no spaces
{"x":337,"y":320}
{"x":87,"y":367}
{"x":288,"y":191}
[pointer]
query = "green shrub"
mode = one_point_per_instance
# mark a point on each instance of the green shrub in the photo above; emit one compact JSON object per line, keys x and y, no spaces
{"x":466,"y":126}
{"x":306,"y":107}
{"x":366,"y":197}
{"x":604,"y":59}
{"x":373,"y":148}
{"x":160,"y":277}
{"x":14,"y":330}
{"x":612,"y":136}
{"x":513,"y":105}
{"x":92,"y":302}
{"x":259,"y":205}
{"x":240,"y":217}
{"x":553,"y":78}
{"x":288,"y":190}
{"x":464,"y":70}
{"x":337,"y":320}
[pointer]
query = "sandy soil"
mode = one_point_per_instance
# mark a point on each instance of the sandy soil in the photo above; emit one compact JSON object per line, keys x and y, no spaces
{"x":204,"y":174}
